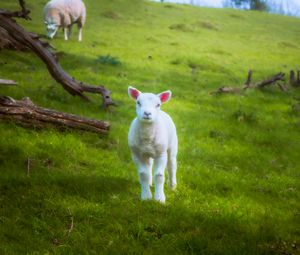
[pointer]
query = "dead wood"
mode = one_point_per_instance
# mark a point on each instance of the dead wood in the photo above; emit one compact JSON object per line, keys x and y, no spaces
{"x":282,"y":86}
{"x":16,"y":37}
{"x":249,"y":79}
{"x":295,"y":81}
{"x":292,"y":78}
{"x":248,"y":84}
{"x":24,"y":112}
{"x":7,"y":42}
{"x":271,"y":81}
{"x":23,"y":13}
{"x":227,"y":90}
{"x":8,"y":82}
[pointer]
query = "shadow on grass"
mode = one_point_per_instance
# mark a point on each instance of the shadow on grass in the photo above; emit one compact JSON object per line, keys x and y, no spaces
{"x":90,"y":188}
{"x":148,"y":227}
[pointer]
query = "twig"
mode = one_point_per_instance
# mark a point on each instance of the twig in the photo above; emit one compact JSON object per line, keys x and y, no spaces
{"x":282,"y":87}
{"x":249,"y":79}
{"x":71,"y":225}
{"x":29,"y":162}
{"x":295,"y":81}
{"x":24,"y":10}
{"x":57,"y":241}
{"x":292,"y":78}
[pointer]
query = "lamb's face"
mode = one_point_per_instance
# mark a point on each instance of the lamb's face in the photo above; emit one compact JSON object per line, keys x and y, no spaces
{"x":51,"y":29}
{"x":148,"y":104}
{"x":147,"y":107}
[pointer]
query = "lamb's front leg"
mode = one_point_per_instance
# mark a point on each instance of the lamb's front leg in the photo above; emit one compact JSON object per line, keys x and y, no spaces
{"x":144,"y":176}
{"x":66,"y":33}
{"x":159,"y":177}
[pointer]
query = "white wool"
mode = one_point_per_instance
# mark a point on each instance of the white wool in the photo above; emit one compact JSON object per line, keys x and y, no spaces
{"x":64,"y":13}
{"x":75,"y":8}
{"x":152,"y":138}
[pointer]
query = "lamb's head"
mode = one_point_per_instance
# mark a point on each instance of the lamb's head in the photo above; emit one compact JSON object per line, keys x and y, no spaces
{"x":51,"y":28}
{"x":148,"y":104}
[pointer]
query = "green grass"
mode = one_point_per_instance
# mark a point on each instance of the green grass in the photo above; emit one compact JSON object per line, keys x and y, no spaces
{"x":238,"y":162}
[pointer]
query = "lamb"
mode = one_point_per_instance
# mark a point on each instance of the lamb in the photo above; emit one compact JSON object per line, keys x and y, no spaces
{"x":64,"y":13}
{"x":152,"y":138}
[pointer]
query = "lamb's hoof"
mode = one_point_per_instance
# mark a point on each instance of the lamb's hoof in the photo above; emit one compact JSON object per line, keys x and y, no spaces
{"x":160,"y":198}
{"x":173,"y":186}
{"x":146,"y":195}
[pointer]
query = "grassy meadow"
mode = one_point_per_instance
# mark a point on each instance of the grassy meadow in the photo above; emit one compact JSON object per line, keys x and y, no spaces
{"x":239,"y":155}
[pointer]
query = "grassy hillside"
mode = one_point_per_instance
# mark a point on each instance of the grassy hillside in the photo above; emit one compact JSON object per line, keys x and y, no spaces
{"x":238,"y":162}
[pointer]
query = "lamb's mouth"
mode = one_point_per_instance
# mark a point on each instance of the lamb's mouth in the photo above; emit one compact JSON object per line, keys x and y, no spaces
{"x":147,"y":119}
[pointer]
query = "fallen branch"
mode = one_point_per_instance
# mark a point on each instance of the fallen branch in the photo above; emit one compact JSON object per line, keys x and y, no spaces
{"x":272,"y":80}
{"x":7,"y":82}
{"x":24,"y":112}
{"x":248,"y":84}
{"x":14,"y":36}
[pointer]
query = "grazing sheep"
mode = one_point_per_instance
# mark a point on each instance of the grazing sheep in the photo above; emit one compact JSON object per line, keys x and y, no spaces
{"x":64,"y":13}
{"x":152,"y":139}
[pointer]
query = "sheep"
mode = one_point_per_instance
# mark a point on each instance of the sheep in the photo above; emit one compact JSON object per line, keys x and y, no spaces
{"x":152,"y":139}
{"x":64,"y":13}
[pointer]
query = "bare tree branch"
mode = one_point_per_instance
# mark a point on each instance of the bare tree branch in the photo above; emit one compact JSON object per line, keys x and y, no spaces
{"x":272,"y":80}
{"x":24,"y":112}
{"x":24,"y":13}
{"x":14,"y":36}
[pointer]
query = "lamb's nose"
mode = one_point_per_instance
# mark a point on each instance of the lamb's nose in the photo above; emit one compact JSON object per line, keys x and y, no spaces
{"x":147,"y":114}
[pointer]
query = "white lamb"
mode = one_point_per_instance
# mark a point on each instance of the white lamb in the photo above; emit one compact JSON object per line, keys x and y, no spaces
{"x":64,"y":13}
{"x":152,"y":137}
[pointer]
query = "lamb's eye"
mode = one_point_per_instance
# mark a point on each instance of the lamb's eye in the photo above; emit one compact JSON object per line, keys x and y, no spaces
{"x":158,"y":105}
{"x":139,"y":103}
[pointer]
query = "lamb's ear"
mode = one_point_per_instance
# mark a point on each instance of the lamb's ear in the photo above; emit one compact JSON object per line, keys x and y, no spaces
{"x":165,"y":96}
{"x":133,"y":92}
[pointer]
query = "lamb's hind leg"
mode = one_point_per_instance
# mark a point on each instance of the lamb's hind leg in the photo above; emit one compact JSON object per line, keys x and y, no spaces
{"x":80,"y":35}
{"x":172,"y":168}
{"x":69,"y":31}
{"x":80,"y":24}
{"x":80,"y":31}
{"x":144,"y":176}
